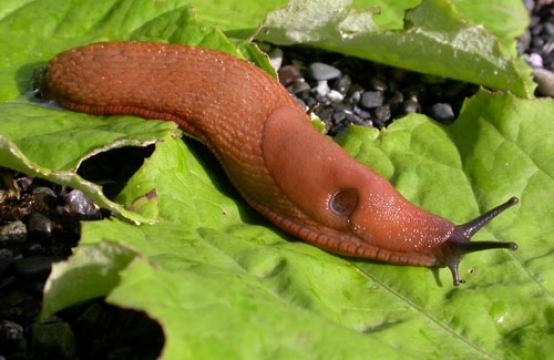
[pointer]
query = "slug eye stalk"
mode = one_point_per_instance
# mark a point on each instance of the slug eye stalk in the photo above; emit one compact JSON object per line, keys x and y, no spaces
{"x":460,"y":244}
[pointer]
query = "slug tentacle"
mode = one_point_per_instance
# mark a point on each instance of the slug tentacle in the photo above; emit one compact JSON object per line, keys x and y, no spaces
{"x":303,"y":182}
{"x":459,"y":243}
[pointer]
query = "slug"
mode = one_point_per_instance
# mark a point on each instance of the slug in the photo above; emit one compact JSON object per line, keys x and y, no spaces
{"x":301,"y":181}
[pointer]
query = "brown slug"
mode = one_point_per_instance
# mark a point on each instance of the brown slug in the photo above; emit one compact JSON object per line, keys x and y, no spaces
{"x":303,"y":182}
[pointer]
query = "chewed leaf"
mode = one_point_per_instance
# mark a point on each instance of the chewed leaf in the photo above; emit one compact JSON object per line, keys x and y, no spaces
{"x":56,"y":142}
{"x":434,"y":40}
{"x":223,"y":282}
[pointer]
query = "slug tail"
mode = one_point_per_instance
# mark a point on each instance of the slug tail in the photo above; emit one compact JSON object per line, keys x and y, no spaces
{"x":459,"y":243}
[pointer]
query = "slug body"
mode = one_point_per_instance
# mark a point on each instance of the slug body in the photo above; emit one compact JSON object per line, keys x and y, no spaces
{"x":303,"y":182}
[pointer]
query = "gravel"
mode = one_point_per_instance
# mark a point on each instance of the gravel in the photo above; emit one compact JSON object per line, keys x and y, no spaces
{"x":349,"y":91}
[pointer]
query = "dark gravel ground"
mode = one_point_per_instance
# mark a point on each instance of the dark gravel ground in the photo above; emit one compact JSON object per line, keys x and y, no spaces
{"x":39,"y":221}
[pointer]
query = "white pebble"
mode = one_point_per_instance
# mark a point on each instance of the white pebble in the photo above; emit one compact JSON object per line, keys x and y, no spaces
{"x":322,"y":88}
{"x":276,"y":58}
{"x":534,"y":60}
{"x":335,"y":96}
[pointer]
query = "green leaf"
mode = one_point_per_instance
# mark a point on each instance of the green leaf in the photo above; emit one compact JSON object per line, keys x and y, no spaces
{"x":434,"y":39}
{"x":479,"y":12}
{"x":42,"y":149}
{"x":222,"y":281}
{"x":203,"y":255}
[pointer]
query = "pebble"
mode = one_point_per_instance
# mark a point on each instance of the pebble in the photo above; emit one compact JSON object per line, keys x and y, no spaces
{"x":343,"y":84}
{"x":534,"y":60}
{"x":411,"y":106}
{"x":339,"y":117}
{"x":538,"y":39}
{"x":548,"y":28}
{"x":364,"y":114}
{"x":322,"y":88}
{"x":40,"y":226}
{"x":35,"y":267}
{"x":342,"y":107}
{"x":320,"y":71}
{"x":443,"y":113}
{"x":382,"y":114}
{"x":12,"y":233}
{"x":396,"y":97}
{"x":44,"y":190}
{"x":358,"y":120}
{"x":545,"y":81}
{"x":10,"y":330}
{"x":378,"y":85}
{"x":289,"y":74}
{"x":297,"y":87}
{"x":325,"y":113}
{"x":355,"y":92}
{"x":335,"y":96}
{"x":276,"y":58}
{"x":372,"y":99}
{"x":80,"y":204}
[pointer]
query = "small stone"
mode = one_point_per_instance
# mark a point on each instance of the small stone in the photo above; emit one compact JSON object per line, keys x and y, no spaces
{"x":35,"y":267}
{"x":320,"y":71}
{"x":545,"y":81}
{"x":355,"y":97}
{"x":537,"y":29}
{"x":443,"y":113}
{"x":339,"y":129}
{"x":276,"y":58}
{"x":343,"y":84}
{"x":537,"y":42}
{"x":548,"y":28}
{"x":411,"y":106}
{"x":297,"y":87}
{"x":322,"y":88}
{"x":14,"y":232}
{"x":40,"y":226}
{"x":325,"y":113}
{"x":11,"y":331}
{"x":382,"y":113}
{"x":320,"y":98}
{"x":378,"y":85}
{"x":364,"y":114}
{"x":335,"y":96}
{"x":44,"y":190}
{"x":534,"y":60}
{"x":339,"y":117}
{"x":357,"y":120}
{"x":396,"y":97}
{"x":80,"y":204}
{"x":289,"y":74}
{"x":342,"y":107}
{"x":310,"y":101}
{"x":371,"y":99}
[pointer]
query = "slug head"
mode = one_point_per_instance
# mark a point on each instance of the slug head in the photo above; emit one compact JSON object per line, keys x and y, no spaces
{"x":340,"y":205}
{"x":459,"y":242}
